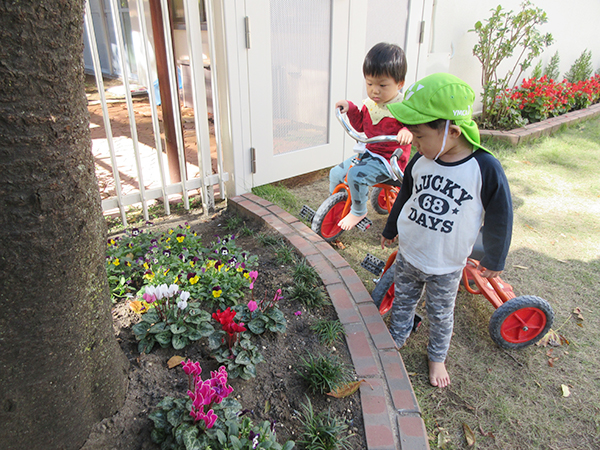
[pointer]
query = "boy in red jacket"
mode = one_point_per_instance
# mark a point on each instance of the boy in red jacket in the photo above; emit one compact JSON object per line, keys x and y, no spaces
{"x":384,"y":69}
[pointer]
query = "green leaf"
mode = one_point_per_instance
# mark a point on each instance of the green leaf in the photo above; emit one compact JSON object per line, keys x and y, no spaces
{"x":243,"y":358}
{"x":257,"y":326}
{"x":140,"y":329}
{"x":194,"y":335}
{"x":146,"y":345}
{"x":178,"y":329}
{"x":205,"y":329}
{"x":174,"y":417}
{"x":237,"y":445}
{"x":221,"y":437}
{"x":289,"y":445}
{"x":163,"y":338}
{"x":190,"y":438}
{"x":159,"y":418}
{"x":157,"y":328}
{"x":179,"y":341}
{"x":151,"y":316}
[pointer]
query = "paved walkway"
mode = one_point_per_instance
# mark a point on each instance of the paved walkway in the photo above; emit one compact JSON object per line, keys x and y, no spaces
{"x":391,"y":413}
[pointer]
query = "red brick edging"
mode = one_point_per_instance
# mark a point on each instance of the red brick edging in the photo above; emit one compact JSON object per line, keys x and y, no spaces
{"x":391,"y":414}
{"x":543,"y":128}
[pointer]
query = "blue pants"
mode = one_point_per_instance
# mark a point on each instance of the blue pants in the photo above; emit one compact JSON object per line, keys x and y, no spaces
{"x":367,"y":172}
{"x":440,"y":296}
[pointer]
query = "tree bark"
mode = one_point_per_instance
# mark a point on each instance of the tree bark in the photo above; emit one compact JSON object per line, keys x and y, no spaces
{"x":61,"y":369}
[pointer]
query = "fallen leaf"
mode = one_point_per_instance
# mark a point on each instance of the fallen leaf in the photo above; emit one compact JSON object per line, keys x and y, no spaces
{"x":469,"y":435}
{"x":551,"y":361}
{"x":443,"y":439}
{"x":138,"y":306}
{"x":565,"y":390}
{"x":488,"y":434}
{"x":175,"y":361}
{"x":347,"y":389}
{"x":577,"y":313}
{"x":551,"y":338}
{"x":339,"y":244}
{"x":520,"y":267}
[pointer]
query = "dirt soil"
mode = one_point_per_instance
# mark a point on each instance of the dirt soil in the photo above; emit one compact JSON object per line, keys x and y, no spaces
{"x":275,"y":394}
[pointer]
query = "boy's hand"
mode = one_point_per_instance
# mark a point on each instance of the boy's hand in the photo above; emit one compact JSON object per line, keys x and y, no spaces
{"x":385,"y":241}
{"x":486,"y":273}
{"x":404,"y":136}
{"x":343,"y":105}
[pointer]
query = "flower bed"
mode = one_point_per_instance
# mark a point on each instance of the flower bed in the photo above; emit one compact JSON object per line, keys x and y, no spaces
{"x":210,"y":315}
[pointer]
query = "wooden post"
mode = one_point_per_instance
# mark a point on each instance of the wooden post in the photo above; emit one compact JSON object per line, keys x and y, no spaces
{"x":162,"y":69}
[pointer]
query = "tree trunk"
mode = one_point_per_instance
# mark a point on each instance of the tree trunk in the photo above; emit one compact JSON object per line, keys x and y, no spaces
{"x":61,"y":369}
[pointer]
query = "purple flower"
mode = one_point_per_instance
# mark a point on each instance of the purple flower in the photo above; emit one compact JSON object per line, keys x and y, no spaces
{"x":298,"y":313}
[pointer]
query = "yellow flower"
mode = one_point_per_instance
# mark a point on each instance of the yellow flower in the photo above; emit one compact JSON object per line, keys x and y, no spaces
{"x":167,"y":271}
{"x":168,"y":239}
{"x":139,"y":306}
{"x":192,"y":263}
{"x":116,"y":262}
{"x":194,"y":279}
{"x":170,"y":231}
{"x":217,"y":294}
{"x":127,"y":263}
{"x":180,"y":239}
{"x":210,"y":264}
{"x":149,"y":276}
{"x":176,"y":279}
{"x":246,"y":275}
{"x":146,"y":266}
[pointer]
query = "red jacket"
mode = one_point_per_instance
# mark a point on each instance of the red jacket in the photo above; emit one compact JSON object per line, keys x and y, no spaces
{"x":361,"y":121}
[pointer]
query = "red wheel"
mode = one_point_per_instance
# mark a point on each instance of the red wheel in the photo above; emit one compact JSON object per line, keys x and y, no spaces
{"x":383,"y":294}
{"x":325,"y":222}
{"x":378,"y":202}
{"x":521,"y":322}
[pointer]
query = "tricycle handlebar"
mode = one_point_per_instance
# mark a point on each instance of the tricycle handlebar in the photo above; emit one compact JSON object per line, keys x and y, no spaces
{"x":356,"y":136}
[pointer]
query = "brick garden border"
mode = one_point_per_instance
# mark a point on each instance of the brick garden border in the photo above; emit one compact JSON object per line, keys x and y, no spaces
{"x":391,"y":414}
{"x":544,"y":128}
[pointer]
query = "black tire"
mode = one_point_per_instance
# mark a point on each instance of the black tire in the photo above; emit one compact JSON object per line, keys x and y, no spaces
{"x":520,"y":322}
{"x":383,"y":285}
{"x":374,"y":198}
{"x":328,"y":215}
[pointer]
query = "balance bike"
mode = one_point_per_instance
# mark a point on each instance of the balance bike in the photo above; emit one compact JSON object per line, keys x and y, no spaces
{"x":517,"y":322}
{"x":325,"y":219}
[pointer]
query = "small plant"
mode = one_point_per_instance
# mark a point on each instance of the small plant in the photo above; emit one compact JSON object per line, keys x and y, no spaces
{"x":284,"y":254}
{"x":328,"y":331}
{"x":581,"y":69}
{"x":264,"y":315}
{"x":552,"y":70}
{"x":268,"y":239}
{"x":322,"y":431}
{"x":304,"y":272}
{"x":277,"y":194}
{"x":323,"y":373}
{"x":231,"y":345}
{"x":209,"y":418}
{"x":168,"y":319}
{"x":309,"y":294}
{"x":233,"y":223}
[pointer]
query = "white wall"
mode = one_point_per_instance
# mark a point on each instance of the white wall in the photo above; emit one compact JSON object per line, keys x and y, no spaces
{"x":573,"y":26}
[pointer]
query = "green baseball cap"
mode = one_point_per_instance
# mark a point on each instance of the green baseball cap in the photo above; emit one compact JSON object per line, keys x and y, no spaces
{"x":439,"y":96}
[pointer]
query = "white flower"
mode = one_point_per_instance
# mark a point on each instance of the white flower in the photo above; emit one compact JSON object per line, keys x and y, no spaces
{"x":172,"y":290}
{"x":161,"y":291}
{"x":182,"y":304}
{"x":184,"y":295}
{"x":151,"y":290}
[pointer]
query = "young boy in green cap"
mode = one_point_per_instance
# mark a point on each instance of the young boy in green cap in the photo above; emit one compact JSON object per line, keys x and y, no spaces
{"x":452,"y":188}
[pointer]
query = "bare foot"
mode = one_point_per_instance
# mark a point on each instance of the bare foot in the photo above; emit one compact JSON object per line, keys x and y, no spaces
{"x":350,"y":221}
{"x":438,"y":376}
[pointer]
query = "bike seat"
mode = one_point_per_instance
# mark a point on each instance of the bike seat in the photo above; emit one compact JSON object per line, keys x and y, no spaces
{"x":396,"y":183}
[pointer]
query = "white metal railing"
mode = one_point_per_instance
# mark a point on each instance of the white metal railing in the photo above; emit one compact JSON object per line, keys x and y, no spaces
{"x":206,"y":179}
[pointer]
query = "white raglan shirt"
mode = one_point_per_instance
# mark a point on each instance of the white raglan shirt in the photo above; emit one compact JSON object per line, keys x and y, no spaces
{"x":443,"y":209}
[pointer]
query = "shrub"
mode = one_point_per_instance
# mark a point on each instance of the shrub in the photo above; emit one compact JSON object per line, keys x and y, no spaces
{"x":322,"y":431}
{"x":499,"y":37}
{"x":581,"y":69}
{"x":323,"y":373}
{"x":552,"y":70}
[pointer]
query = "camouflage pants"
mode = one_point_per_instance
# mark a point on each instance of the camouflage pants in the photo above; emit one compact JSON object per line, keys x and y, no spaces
{"x":440,"y":295}
{"x":366,"y":172}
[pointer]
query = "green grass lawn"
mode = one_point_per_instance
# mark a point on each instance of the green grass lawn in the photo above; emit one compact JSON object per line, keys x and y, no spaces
{"x":514,"y":399}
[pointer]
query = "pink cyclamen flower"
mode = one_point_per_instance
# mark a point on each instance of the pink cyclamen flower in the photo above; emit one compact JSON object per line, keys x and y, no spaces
{"x":252,"y":305}
{"x":192,"y":368}
{"x":298,"y":313}
{"x":253,"y":275}
{"x":278,"y":296}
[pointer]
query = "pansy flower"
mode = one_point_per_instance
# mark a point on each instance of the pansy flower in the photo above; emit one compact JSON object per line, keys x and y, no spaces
{"x":217,"y":291}
{"x":180,"y":238}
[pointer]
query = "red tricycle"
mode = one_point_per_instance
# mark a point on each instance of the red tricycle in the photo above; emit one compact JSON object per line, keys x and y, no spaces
{"x":517,"y":322}
{"x":325,"y":220}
